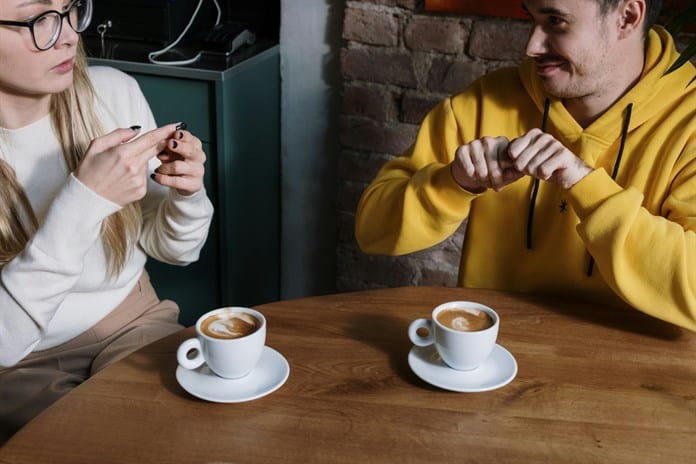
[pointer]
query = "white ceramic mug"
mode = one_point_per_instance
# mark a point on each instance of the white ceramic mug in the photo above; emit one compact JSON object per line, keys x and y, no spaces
{"x":460,"y":349}
{"x":230,"y":358}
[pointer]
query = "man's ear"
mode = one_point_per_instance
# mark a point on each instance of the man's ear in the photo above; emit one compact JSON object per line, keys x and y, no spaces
{"x":631,"y":16}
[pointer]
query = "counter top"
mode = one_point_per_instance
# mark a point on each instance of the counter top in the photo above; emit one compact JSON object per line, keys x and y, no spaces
{"x":133,"y":57}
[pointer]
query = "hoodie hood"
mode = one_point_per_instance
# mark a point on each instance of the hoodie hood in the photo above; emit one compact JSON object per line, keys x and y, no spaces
{"x":652,"y":95}
{"x":649,"y":96}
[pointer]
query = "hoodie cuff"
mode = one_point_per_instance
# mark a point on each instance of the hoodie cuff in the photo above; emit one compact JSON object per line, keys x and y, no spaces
{"x":591,"y":191}
{"x":449,"y":191}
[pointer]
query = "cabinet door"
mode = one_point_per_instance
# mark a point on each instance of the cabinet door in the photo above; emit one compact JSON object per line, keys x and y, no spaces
{"x":249,"y":184}
{"x":194,"y":287}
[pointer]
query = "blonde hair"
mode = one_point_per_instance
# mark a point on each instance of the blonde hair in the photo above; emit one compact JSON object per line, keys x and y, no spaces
{"x":76,"y":124}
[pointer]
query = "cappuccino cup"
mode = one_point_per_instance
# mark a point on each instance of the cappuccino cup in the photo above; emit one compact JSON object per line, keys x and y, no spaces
{"x":463,"y":333}
{"x":229,"y":340}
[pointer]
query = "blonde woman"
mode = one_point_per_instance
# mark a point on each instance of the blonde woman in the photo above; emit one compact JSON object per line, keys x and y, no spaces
{"x":89,"y":187}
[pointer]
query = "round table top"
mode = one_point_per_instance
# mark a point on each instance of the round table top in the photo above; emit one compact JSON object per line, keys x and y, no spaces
{"x":593,"y":384}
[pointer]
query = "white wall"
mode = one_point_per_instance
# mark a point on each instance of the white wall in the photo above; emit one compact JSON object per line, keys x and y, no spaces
{"x":310,"y":41}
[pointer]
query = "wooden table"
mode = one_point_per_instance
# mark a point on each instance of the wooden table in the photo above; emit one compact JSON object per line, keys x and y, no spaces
{"x":595,"y":384}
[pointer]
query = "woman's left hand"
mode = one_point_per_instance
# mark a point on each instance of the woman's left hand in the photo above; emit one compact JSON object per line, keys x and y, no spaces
{"x":182,"y":165}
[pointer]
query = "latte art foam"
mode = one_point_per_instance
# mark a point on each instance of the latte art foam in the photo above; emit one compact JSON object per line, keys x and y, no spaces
{"x":233,"y":324}
{"x":465,"y":320}
{"x":461,"y":323}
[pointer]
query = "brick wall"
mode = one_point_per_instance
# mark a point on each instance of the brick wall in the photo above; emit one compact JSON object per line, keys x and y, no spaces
{"x":397,"y":62}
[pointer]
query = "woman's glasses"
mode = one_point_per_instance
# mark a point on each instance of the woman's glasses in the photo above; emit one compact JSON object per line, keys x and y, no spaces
{"x":46,"y":27}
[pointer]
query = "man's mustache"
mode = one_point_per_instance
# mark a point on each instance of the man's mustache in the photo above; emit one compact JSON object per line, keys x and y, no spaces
{"x":547,"y":59}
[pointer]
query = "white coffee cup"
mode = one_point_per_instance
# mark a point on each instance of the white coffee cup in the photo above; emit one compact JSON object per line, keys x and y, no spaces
{"x":460,"y":348}
{"x":226,"y":341}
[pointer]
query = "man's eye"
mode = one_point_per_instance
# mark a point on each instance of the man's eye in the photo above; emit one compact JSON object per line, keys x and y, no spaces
{"x":556,"y":21}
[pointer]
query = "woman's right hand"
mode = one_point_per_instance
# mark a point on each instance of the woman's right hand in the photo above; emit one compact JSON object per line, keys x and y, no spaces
{"x":115,"y":165}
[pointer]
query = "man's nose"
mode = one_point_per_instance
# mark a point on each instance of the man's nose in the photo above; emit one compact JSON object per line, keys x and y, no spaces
{"x":537,"y":43}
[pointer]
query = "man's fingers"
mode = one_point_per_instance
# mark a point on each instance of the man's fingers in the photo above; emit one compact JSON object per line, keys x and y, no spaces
{"x":478,"y":159}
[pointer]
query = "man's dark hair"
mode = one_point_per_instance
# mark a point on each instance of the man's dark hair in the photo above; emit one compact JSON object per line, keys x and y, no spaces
{"x":652,"y":11}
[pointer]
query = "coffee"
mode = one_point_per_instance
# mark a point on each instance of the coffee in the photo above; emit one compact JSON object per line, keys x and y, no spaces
{"x":465,"y":320}
{"x":229,"y":324}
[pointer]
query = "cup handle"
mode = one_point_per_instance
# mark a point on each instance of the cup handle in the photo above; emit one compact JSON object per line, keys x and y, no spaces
{"x":418,"y":339}
{"x":183,"y":351}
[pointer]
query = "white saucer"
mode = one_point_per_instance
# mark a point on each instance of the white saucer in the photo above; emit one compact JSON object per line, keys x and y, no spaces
{"x":498,"y":370}
{"x":270,"y":374}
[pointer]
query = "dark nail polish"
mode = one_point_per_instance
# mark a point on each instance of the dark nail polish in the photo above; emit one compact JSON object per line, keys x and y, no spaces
{"x":135,"y":128}
{"x":152,"y":176}
{"x":181,"y":126}
{"x":181,"y":135}
{"x":174,"y":144}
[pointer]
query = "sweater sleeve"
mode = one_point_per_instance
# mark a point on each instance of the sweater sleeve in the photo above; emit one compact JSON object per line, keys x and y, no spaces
{"x":175,"y":227}
{"x":35,"y":283}
{"x":648,"y":260}
{"x":414,"y":202}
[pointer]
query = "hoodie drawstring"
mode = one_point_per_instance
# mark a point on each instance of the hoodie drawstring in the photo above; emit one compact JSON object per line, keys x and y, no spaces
{"x":617,"y":163}
{"x":615,"y":171}
{"x":535,"y":189}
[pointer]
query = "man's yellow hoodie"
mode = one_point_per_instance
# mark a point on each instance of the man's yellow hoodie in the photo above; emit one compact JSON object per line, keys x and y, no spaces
{"x":628,"y":229}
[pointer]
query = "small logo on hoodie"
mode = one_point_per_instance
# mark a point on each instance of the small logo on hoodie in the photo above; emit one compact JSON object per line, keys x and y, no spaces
{"x":563,"y":207}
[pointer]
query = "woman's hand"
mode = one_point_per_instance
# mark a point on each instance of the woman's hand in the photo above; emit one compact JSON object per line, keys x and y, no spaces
{"x":182,"y":163}
{"x":115,"y":165}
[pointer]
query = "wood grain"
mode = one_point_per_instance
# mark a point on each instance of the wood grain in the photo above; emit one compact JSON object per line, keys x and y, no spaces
{"x":595,"y":384}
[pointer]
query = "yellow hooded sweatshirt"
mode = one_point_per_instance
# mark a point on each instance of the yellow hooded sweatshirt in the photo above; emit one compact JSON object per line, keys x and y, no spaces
{"x":628,"y":229}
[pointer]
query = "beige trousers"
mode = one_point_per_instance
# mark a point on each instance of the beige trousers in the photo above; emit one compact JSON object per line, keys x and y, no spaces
{"x":42,"y":377}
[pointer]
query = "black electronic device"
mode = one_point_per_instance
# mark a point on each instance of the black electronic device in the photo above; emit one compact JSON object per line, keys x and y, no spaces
{"x":149,"y":21}
{"x":225,"y":38}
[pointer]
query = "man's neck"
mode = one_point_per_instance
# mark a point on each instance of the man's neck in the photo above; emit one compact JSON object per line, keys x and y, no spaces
{"x":585,"y":110}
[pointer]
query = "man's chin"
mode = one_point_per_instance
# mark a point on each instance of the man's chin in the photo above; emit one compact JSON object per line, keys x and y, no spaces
{"x":556,"y":90}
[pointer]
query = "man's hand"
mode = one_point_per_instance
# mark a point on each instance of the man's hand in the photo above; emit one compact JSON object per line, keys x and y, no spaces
{"x":484,"y":163}
{"x":540,"y":155}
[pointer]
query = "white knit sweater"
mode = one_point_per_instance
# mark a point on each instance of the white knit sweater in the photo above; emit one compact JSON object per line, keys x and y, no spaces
{"x":58,"y":287}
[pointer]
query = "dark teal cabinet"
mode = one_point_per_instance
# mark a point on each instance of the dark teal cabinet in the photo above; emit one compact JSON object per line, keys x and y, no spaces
{"x":235,"y":113}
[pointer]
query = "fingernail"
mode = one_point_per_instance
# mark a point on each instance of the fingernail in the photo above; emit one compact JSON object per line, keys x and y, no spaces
{"x":181,"y":135}
{"x":135,"y":128}
{"x":174,"y":144}
{"x":152,"y":176}
{"x":181,"y":126}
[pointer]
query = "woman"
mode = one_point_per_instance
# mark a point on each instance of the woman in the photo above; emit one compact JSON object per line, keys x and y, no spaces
{"x":89,"y":187}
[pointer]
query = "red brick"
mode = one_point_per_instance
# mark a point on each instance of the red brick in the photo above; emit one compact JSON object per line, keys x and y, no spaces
{"x":371,"y":27}
{"x":346,"y":226}
{"x":356,"y":166}
{"x":370,"y":102}
{"x":499,"y":39}
{"x":409,"y":4}
{"x":349,"y":195}
{"x":365,"y":134}
{"x":414,"y":106}
{"x":378,"y":65}
{"x":451,"y":75}
{"x":375,"y":270}
{"x":428,"y":33}
{"x":438,"y":265}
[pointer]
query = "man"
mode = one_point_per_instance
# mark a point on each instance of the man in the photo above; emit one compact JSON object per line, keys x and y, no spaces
{"x":577,"y":170}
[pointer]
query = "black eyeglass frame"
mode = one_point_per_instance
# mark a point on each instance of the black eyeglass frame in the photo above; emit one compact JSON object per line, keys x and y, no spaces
{"x":63,"y":15}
